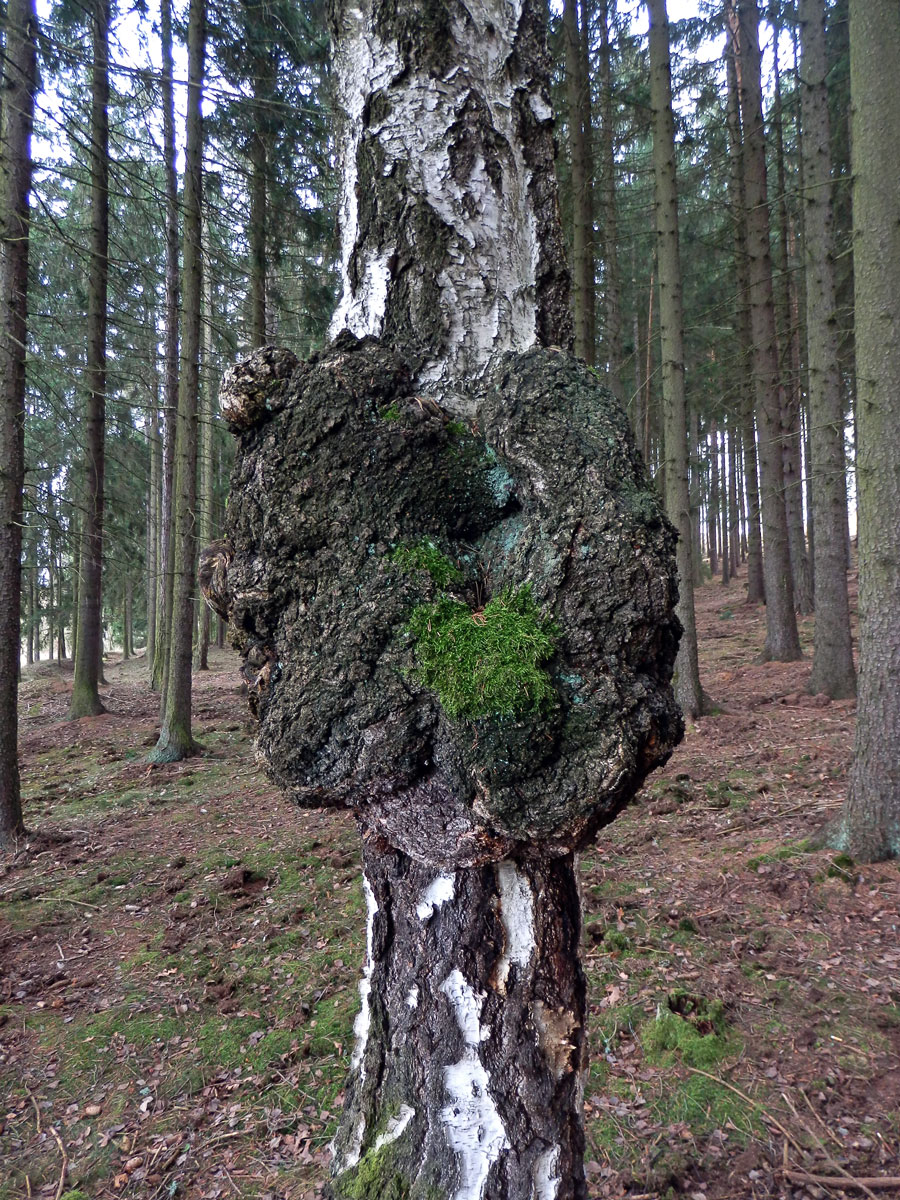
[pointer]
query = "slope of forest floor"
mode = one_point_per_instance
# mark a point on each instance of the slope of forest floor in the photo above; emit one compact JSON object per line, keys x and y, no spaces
{"x":180,"y":949}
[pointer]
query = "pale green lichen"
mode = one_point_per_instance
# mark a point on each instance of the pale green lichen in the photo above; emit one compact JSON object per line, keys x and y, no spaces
{"x":485,"y":663}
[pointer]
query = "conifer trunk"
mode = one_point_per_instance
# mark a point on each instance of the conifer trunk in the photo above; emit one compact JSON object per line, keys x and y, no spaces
{"x":579,"y":121}
{"x":612,"y":291}
{"x":16,"y":120}
{"x":833,"y":671}
{"x":782,"y":639}
{"x":88,"y":670}
{"x":161,"y":653}
{"x":870,"y":822}
{"x":175,"y":739}
{"x":671,"y":323}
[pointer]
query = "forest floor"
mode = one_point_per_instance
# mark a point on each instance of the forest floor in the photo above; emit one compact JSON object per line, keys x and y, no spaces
{"x":180,"y":949}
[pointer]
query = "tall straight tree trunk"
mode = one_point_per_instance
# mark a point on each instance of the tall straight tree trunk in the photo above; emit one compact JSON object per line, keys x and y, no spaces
{"x":789,"y":358}
{"x":88,"y":666}
{"x":579,"y":120}
{"x":29,"y":639}
{"x":16,"y":121}
{"x":153,"y":512}
{"x":782,"y":639}
{"x":259,"y":185}
{"x":671,"y":325}
{"x":160,"y":670}
{"x":713,"y":509}
{"x":612,"y":286}
{"x":205,"y":496}
{"x":725,"y":542}
{"x":744,"y":337}
{"x":175,"y":739}
{"x":696,"y":494}
{"x":734,"y":516}
{"x":870,"y":821}
{"x":833,"y":671}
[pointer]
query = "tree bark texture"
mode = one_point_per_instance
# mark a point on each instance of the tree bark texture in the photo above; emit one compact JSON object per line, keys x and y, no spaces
{"x":549,"y":490}
{"x":578,"y":96}
{"x":175,"y":739}
{"x":671,"y":325}
{"x":470,"y":1042}
{"x":16,"y":121}
{"x":871,"y":816}
{"x":160,"y":670}
{"x":612,"y":288}
{"x":85,"y":696}
{"x":782,"y":638}
{"x":789,"y":357}
{"x":451,"y":246}
{"x":205,"y":455}
{"x":744,"y":337}
{"x":833,"y":671}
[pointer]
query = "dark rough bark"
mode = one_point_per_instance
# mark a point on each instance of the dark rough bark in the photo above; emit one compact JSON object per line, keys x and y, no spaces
{"x":833,"y":671}
{"x":550,"y":493}
{"x":782,"y":638}
{"x":612,"y":291}
{"x":870,"y":822}
{"x":451,"y":242}
{"x":175,"y":738}
{"x":579,"y":120}
{"x":88,"y":661}
{"x":340,"y":462}
{"x":738,"y":204}
{"x":671,"y":325}
{"x":16,"y":119}
{"x":160,"y":669}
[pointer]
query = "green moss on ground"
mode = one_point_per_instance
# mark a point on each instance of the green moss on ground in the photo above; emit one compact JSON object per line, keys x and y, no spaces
{"x":484,"y":663}
{"x":689,"y":1029}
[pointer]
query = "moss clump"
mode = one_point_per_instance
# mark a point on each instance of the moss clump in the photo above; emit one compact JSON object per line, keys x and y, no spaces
{"x":485,"y":663}
{"x":425,"y":556}
{"x":690,"y":1028}
{"x":391,"y":413}
{"x":375,"y":1177}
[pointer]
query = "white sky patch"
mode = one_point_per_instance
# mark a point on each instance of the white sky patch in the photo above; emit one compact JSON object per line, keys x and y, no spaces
{"x":441,"y":890}
{"x":364,"y":1016}
{"x":517,"y":915}
{"x":395,"y":1127}
{"x":545,"y":1175}
{"x":474,"y":1128}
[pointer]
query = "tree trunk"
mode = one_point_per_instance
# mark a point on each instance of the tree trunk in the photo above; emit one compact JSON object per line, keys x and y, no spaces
{"x":161,"y":653}
{"x":671,"y":324}
{"x":421,"y":259}
{"x":85,"y":696}
{"x":205,"y":495}
{"x":712,"y":517}
{"x":832,"y":670}
{"x":257,"y":233}
{"x":471,"y":1038}
{"x":154,"y":498}
{"x":871,"y":815}
{"x":29,"y":642}
{"x":16,"y":120}
{"x":734,"y":519}
{"x":725,"y":542}
{"x":790,"y":367}
{"x":175,"y":739}
{"x":579,"y":122}
{"x":744,"y":337}
{"x":782,"y":638}
{"x":696,"y":495}
{"x":612,"y":290}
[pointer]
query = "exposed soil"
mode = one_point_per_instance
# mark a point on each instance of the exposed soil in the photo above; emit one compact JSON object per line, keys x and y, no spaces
{"x":180,"y":950}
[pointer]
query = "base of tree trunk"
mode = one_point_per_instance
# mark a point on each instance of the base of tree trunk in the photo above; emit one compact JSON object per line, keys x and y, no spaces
{"x":85,"y":703}
{"x":470,"y":1042}
{"x":173,"y":746}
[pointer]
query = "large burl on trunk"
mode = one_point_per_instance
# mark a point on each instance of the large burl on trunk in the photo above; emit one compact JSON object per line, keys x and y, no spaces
{"x":460,"y":624}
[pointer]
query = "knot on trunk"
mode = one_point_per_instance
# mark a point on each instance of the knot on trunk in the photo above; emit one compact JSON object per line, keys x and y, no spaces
{"x":250,"y":389}
{"x":466,"y":629}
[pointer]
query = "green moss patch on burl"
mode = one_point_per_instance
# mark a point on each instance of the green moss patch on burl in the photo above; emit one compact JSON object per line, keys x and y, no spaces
{"x":424,"y":555}
{"x":485,"y":663}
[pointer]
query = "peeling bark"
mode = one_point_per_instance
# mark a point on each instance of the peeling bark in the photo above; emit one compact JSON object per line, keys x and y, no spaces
{"x":450,"y":240}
